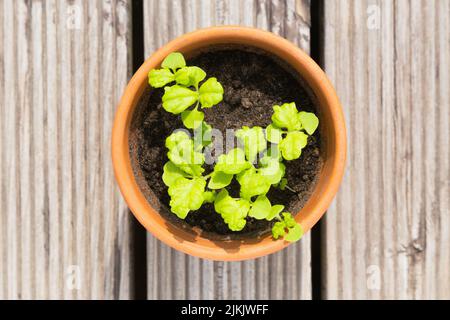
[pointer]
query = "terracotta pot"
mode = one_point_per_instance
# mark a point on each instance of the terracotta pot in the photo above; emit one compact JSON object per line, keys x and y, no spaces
{"x":332,"y":128}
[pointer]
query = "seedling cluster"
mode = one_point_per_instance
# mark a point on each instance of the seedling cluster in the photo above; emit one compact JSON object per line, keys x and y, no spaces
{"x":185,"y":92}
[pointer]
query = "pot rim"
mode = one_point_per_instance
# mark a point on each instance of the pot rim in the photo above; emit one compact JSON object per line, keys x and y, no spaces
{"x":329,"y":179}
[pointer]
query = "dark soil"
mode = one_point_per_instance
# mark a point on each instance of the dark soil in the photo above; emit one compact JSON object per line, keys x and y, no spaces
{"x":253,"y":82}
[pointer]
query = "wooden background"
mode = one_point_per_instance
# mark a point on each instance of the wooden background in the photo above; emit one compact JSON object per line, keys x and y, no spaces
{"x":65,"y":232}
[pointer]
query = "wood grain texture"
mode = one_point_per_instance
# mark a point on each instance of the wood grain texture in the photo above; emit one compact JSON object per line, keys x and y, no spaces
{"x":64,"y":230}
{"x":173,"y":275}
{"x":387,"y":234}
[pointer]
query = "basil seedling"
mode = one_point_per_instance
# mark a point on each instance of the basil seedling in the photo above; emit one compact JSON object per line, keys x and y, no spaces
{"x":186,"y":92}
{"x":189,"y":188}
{"x":297,"y":125}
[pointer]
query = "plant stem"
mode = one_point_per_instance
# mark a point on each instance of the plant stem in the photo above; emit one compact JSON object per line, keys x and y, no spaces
{"x":290,"y":189}
{"x":208,"y":176}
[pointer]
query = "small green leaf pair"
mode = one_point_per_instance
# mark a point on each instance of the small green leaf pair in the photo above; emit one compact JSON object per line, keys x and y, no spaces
{"x":183,"y":175}
{"x":271,"y":167}
{"x":252,"y":183}
{"x":179,"y":97}
{"x":183,"y":154}
{"x":233,"y":211}
{"x":202,"y":136}
{"x":186,"y":195}
{"x":174,"y":69}
{"x":186,"y":192}
{"x":287,"y":227}
{"x":257,"y":181}
{"x":226,"y":167}
{"x":263,"y":209}
{"x":296,"y":123}
{"x":253,"y":140}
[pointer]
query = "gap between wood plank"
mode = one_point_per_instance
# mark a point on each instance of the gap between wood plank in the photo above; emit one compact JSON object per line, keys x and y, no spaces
{"x":316,"y":12}
{"x":138,"y":231}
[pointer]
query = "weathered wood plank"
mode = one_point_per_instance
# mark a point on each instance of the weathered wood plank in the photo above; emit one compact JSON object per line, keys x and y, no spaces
{"x":64,"y":230}
{"x":387,"y":233}
{"x":201,"y":279}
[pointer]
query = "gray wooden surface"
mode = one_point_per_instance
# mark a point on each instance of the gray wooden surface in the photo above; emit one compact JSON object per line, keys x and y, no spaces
{"x":388,"y":232}
{"x":64,"y":229}
{"x":174,"y":275}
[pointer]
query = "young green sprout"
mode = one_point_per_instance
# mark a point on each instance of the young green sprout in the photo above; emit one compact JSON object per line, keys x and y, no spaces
{"x":185,"y":92}
{"x":189,"y":188}
{"x":297,"y":126}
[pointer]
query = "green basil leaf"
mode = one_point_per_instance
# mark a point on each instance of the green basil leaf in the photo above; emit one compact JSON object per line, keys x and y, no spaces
{"x":233,"y":162}
{"x":272,"y":153}
{"x":252,"y":183}
{"x":192,"y":118}
{"x":275,"y":211}
{"x":175,"y":138}
{"x":182,"y":153}
{"x":219,"y":180}
{"x":289,"y":220}
{"x":283,"y":183}
{"x":176,"y":98}
{"x":309,"y":121}
{"x":192,"y":169}
{"x":158,"y":78}
{"x":233,"y":211}
{"x":278,"y":230}
{"x":174,"y":61}
{"x":294,"y":233}
{"x":209,"y":196}
{"x":211,"y":93}
{"x":291,"y":146}
{"x":273,"y":171}
{"x":273,"y":134}
{"x":286,"y":116}
{"x":202,"y":135}
{"x":172,"y":173}
{"x":254,"y":141}
{"x":186,"y":195}
{"x":260,"y":208}
{"x":189,"y":76}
